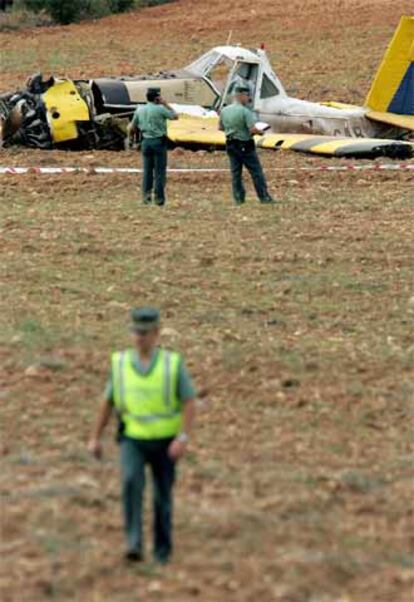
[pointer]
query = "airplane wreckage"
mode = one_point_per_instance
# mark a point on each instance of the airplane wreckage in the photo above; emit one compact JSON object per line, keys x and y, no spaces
{"x":93,"y":114}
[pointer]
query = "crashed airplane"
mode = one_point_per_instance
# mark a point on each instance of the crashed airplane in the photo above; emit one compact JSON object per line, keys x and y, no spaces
{"x":85,"y":114}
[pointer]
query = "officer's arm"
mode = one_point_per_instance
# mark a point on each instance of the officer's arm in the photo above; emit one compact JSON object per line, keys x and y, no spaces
{"x":171,"y":114}
{"x":178,"y":446}
{"x":133,"y":125}
{"x":186,"y":394}
{"x":255,"y":131}
{"x":132,"y":129}
{"x":250,"y":120}
{"x":104,"y":414}
{"x":188,"y":416}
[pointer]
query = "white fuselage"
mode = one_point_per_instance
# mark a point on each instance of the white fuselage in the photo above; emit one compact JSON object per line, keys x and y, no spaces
{"x":272,"y":104}
{"x":290,"y":115}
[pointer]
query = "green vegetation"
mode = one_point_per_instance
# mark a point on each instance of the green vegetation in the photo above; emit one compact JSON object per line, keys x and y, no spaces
{"x":42,"y":12}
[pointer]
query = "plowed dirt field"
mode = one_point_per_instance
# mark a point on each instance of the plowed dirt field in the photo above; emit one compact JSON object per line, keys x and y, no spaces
{"x":296,"y":322}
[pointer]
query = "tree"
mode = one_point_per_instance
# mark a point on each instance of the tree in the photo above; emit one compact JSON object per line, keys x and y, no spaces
{"x":120,"y":6}
{"x":68,"y":11}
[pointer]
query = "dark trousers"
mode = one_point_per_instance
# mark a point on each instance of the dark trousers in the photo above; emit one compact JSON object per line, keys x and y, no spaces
{"x":135,"y":454}
{"x":243,"y":154}
{"x":154,"y":155}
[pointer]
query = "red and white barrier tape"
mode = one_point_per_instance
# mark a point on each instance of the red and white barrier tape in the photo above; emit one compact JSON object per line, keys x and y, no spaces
{"x":136,"y":170}
{"x":94,"y":170}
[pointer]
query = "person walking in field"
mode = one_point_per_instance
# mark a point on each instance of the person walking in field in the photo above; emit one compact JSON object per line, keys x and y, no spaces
{"x":151,"y":121}
{"x":152,"y":393}
{"x":239,"y":124}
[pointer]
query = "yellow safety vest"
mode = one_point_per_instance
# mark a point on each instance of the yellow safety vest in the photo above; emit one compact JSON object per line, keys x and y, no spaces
{"x":147,"y":403}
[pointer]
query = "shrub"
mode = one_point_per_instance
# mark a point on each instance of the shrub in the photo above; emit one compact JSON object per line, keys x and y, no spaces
{"x":95,"y":9}
{"x":151,"y":2}
{"x":22,"y":18}
{"x":65,"y":12}
{"x":120,"y":6}
{"x":68,"y":11}
{"x":34,"y":5}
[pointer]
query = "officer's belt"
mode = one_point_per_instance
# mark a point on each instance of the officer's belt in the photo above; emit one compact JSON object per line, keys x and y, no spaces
{"x":233,"y":139}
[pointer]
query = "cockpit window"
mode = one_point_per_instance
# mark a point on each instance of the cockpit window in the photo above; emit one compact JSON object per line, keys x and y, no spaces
{"x":268,"y":88}
{"x":244,"y":75}
{"x":219,"y":73}
{"x":247,"y":71}
{"x":204,"y":63}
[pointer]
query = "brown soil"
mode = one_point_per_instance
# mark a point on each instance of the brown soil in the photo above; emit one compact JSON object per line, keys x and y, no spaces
{"x":296,"y":322}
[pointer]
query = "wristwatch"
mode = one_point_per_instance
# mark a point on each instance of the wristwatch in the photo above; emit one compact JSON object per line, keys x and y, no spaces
{"x":183,"y":437}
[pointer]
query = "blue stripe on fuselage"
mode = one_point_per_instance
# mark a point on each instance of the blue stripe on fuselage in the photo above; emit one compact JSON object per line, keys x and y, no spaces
{"x":403,"y":101}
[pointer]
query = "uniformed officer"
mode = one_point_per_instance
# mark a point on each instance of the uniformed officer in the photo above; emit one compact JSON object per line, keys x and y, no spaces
{"x":151,"y":121}
{"x":239,"y":124}
{"x":153,"y":396}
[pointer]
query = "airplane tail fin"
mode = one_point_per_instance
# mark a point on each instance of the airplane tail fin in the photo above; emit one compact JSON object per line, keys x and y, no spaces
{"x":392,"y":90}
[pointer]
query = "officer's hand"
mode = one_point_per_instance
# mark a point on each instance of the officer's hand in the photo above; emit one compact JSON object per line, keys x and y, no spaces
{"x":95,"y":448}
{"x":177,"y":449}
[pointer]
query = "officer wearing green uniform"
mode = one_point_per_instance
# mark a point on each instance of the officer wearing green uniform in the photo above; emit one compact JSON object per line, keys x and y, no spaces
{"x":239,"y":124}
{"x":151,"y":121}
{"x":153,"y":396}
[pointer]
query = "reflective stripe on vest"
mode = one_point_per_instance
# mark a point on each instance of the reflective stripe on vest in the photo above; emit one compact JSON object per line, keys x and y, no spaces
{"x":122,"y":406}
{"x":167,"y":379}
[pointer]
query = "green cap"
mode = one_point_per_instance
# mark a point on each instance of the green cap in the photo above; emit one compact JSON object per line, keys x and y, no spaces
{"x":242,"y":89}
{"x":144,"y":319}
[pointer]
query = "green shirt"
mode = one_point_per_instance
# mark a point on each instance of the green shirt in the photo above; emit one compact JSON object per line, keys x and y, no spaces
{"x":185,"y":387}
{"x":151,"y":119}
{"x":237,"y":120}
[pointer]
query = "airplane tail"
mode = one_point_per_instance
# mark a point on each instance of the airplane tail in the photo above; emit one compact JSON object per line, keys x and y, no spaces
{"x":392,"y":90}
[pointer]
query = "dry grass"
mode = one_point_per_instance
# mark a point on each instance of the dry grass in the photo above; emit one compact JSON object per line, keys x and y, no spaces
{"x":22,"y":19}
{"x":297,"y":320}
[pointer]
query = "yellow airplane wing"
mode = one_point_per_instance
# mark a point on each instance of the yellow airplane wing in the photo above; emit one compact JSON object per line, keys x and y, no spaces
{"x":391,"y":97}
{"x":199,"y":133}
{"x":332,"y":146}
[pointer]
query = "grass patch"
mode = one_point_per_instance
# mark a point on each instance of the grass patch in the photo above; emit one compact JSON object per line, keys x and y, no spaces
{"x":293,"y":319}
{"x":17,"y":19}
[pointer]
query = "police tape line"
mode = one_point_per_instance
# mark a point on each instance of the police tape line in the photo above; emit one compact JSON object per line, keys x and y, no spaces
{"x":207,"y":170}
{"x":95,"y":170}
